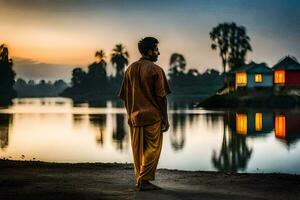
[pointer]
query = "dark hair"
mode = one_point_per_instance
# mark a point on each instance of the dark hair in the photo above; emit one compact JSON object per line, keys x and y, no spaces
{"x":146,"y":44}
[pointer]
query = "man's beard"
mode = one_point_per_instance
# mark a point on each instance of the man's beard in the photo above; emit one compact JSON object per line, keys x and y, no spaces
{"x":153,"y":58}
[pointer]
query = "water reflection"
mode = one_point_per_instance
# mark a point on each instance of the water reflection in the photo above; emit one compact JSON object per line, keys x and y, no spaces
{"x":231,"y":141}
{"x":254,"y":123}
{"x":119,"y":132}
{"x":287,"y":127}
{"x":177,"y":133}
{"x":98,"y":124}
{"x":5,"y":121}
{"x":234,"y":153}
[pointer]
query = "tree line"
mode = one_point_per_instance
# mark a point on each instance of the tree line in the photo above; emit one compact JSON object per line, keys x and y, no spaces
{"x":191,"y":81}
{"x":229,"y":39}
{"x":96,"y":82}
{"x":39,"y":89}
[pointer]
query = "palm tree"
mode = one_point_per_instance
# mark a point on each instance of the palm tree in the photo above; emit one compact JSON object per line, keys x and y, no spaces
{"x":119,"y":59}
{"x":97,"y":76}
{"x":100,"y":56}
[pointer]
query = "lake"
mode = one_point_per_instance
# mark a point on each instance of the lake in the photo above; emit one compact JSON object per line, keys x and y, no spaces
{"x":59,"y":130}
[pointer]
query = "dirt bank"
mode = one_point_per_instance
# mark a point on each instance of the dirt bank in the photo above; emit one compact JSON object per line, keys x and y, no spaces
{"x":40,"y":180}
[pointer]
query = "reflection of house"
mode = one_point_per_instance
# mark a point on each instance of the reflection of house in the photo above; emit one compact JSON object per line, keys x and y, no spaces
{"x":253,"y":123}
{"x":287,"y":73}
{"x":287,"y":127}
{"x":252,"y":76}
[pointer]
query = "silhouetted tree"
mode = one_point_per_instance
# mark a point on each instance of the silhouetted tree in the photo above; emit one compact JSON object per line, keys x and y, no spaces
{"x":100,"y":55}
{"x":97,"y":76}
{"x":177,"y":67}
{"x":192,"y":82}
{"x":20,"y":83}
{"x":119,"y":59}
{"x":31,"y":82}
{"x":60,"y":85}
{"x":193,"y":72}
{"x":232,"y":42}
{"x":177,"y":64}
{"x":7,"y":75}
{"x":78,"y":79}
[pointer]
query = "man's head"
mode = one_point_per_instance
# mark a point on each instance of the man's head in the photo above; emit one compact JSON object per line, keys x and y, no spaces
{"x":148,"y":48}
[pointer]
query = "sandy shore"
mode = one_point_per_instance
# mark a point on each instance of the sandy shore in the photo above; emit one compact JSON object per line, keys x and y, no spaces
{"x":40,"y":180}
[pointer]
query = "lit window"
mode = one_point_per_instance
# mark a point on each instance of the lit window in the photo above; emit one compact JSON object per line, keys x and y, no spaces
{"x":258,"y":78}
{"x":280,"y":126}
{"x":279,"y":76}
{"x":241,"y":79}
{"x":241,"y":124}
{"x":258,"y":121}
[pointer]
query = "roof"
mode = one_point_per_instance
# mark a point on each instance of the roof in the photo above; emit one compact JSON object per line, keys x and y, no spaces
{"x":287,"y":63}
{"x":260,"y":68}
{"x":253,"y":68}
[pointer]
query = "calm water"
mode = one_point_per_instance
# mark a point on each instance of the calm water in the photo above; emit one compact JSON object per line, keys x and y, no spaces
{"x":56,"y":130}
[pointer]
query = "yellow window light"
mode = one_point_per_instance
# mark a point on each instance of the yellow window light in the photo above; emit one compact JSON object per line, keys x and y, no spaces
{"x":241,"y":79}
{"x":280,"y":126}
{"x":258,"y":121}
{"x":258,"y":78}
{"x":241,"y":124}
{"x":279,"y":76}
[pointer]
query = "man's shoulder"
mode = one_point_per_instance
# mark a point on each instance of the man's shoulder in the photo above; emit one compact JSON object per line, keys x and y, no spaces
{"x":131,"y":66}
{"x":157,"y":69}
{"x":145,"y":63}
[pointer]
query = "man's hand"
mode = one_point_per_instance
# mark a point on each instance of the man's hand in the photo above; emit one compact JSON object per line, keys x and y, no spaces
{"x":165,"y":126}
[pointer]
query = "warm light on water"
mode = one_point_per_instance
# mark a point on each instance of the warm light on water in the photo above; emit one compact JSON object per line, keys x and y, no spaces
{"x":54,"y":130}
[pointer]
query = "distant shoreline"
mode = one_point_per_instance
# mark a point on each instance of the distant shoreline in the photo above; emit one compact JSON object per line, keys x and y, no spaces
{"x":263,"y":100}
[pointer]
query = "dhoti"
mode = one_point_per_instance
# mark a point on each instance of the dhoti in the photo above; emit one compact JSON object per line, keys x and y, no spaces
{"x":146,"y":143}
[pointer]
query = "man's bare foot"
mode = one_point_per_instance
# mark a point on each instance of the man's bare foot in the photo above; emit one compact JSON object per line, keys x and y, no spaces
{"x":146,"y":185}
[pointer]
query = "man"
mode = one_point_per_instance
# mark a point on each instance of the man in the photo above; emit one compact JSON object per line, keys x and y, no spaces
{"x":144,"y":90}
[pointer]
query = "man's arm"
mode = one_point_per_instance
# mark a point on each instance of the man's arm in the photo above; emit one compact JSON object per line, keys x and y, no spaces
{"x":163,"y":105}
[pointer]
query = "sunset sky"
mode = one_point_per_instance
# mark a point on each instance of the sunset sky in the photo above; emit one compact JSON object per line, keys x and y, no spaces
{"x":47,"y":38}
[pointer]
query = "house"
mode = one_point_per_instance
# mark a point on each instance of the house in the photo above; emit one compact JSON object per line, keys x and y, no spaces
{"x":253,"y":76}
{"x":287,"y":74}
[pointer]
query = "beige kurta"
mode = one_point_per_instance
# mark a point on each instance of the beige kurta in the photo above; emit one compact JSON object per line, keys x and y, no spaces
{"x":143,"y":83}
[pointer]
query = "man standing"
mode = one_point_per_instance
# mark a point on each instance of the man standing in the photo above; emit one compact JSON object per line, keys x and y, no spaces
{"x":144,"y":90}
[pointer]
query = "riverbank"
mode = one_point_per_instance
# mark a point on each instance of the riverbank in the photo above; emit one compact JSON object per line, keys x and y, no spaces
{"x":246,"y":100}
{"x":41,"y":180}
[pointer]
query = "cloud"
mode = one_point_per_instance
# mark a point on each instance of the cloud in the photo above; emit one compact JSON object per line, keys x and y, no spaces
{"x":30,"y":69}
